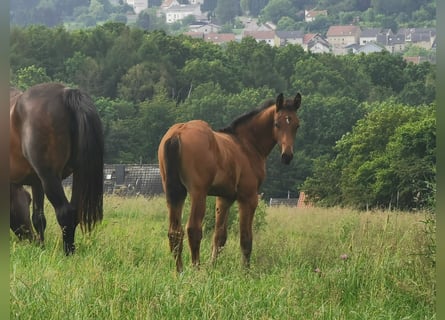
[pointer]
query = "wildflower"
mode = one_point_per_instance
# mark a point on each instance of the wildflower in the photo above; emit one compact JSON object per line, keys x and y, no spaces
{"x":344,"y":256}
{"x":318,"y":271}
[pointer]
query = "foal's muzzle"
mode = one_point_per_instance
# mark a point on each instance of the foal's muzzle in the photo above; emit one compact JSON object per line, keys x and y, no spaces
{"x":286,"y":157}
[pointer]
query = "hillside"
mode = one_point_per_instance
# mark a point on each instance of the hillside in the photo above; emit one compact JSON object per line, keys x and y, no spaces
{"x":286,"y":14}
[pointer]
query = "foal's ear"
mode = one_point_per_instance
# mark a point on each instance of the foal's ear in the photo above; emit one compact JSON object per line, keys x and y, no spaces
{"x":279,"y":102}
{"x":297,"y":101}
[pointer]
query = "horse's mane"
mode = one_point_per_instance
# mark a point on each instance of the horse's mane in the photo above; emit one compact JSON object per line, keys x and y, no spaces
{"x":246,"y":117}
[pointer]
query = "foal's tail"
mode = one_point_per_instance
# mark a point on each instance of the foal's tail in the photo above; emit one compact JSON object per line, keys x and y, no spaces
{"x":174,"y":189}
{"x":88,"y":153}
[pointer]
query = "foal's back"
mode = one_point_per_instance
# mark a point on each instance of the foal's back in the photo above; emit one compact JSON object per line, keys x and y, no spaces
{"x":210,"y":162}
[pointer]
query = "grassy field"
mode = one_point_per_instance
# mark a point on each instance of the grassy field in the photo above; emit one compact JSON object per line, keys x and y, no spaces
{"x":306,"y":264}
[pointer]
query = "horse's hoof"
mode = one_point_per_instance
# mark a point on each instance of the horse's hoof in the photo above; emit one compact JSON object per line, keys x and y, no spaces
{"x":69,"y":249}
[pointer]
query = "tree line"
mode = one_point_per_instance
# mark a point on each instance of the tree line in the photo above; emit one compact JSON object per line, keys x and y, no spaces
{"x":143,"y":82}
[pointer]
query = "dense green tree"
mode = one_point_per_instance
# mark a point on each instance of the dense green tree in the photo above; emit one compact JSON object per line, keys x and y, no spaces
{"x":204,"y":102}
{"x":320,"y":24}
{"x":324,"y":120}
{"x":385,"y":70}
{"x":120,"y":120}
{"x":82,"y":71}
{"x":144,"y":20}
{"x":386,"y":161}
{"x":40,"y":46}
{"x":277,"y":9}
{"x":286,"y":59}
{"x":29,"y":76}
{"x":254,"y":64}
{"x":227,"y":11}
{"x":209,"y":5}
{"x":139,"y":83}
{"x":330,"y":75}
{"x":411,"y":160}
{"x":157,"y":115}
{"x":287,"y":24}
{"x":125,"y":45}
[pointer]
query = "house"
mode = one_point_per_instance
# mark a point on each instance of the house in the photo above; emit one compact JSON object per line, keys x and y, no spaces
{"x":219,"y":38}
{"x":368,"y":35}
{"x":267,"y":36}
{"x":289,"y":37}
{"x":370,"y":47}
{"x":341,"y":36}
{"x":138,"y":5}
{"x":309,"y":15}
{"x":315,"y":43}
{"x":204,"y":27}
{"x":352,"y":48}
{"x":178,"y":12}
{"x":421,"y":37}
{"x":392,"y":42}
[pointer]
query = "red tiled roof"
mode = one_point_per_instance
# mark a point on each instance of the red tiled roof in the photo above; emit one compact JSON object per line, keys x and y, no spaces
{"x":308,"y":37}
{"x":219,"y":37}
{"x":314,"y":13}
{"x":260,"y":34}
{"x":335,"y":31}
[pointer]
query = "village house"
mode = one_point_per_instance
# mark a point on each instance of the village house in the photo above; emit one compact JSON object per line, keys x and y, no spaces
{"x":309,"y":15}
{"x":219,"y":38}
{"x":366,"y":48}
{"x":368,"y":35}
{"x":174,"y":11}
{"x":420,"y":37}
{"x":204,"y":27}
{"x":315,"y":43}
{"x":392,"y":42}
{"x":289,"y":37}
{"x":341,"y":36}
{"x":267,"y":36}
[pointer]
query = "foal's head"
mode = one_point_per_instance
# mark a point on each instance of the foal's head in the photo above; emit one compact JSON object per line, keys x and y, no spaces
{"x":286,"y":124}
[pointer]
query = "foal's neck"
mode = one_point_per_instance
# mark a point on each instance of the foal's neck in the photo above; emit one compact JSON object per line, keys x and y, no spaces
{"x":257,"y":134}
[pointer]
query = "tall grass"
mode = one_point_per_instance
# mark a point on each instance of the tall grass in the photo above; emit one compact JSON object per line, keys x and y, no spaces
{"x":306,"y":264}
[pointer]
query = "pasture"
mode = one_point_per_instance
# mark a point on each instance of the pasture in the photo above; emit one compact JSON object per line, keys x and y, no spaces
{"x":306,"y":264}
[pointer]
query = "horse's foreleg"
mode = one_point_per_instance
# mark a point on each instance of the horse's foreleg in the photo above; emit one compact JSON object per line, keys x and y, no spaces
{"x":221,"y":218}
{"x":194,"y":225}
{"x":247,"y":210}
{"x":38,"y":215}
{"x":176,"y":233}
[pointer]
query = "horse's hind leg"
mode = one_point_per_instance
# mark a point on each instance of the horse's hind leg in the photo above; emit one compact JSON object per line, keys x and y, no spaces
{"x":38,"y":215}
{"x":194,"y":224}
{"x":175,"y":231}
{"x":221,"y":217}
{"x":65,"y":212}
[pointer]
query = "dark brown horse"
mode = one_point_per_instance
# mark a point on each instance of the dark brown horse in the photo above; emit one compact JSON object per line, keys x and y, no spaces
{"x":230,"y":164}
{"x":19,"y":215}
{"x":56,"y":131}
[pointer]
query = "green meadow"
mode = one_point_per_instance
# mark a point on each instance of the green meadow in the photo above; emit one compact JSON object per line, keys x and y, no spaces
{"x":310,"y":263}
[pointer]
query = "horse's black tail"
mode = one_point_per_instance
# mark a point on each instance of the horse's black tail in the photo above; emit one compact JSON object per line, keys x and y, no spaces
{"x":174,"y":189}
{"x":88,"y":152}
